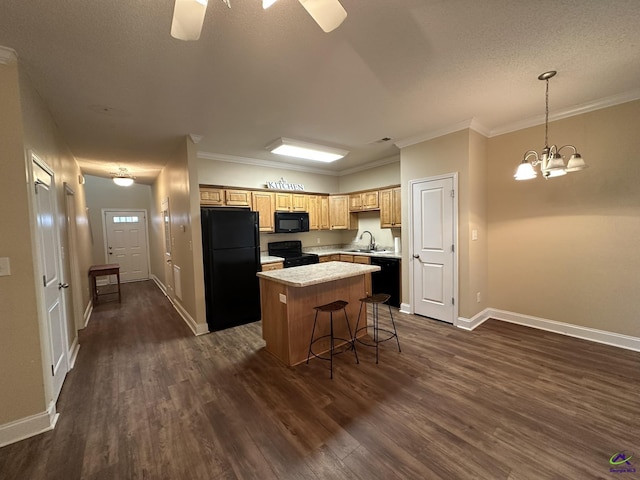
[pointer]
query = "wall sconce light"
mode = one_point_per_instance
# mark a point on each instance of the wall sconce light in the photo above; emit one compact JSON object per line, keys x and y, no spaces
{"x":551,"y":161}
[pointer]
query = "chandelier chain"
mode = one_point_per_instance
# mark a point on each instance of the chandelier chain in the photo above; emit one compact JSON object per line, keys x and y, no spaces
{"x":546,"y":116}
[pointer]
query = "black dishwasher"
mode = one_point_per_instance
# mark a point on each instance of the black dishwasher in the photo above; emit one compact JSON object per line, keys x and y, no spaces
{"x":387,"y":280}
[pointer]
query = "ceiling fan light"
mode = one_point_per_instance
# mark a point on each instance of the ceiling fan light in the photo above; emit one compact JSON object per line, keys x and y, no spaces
{"x":525,"y":171}
{"x":188,"y":17}
{"x":328,"y":14}
{"x":575,"y":163}
{"x":267,"y":3}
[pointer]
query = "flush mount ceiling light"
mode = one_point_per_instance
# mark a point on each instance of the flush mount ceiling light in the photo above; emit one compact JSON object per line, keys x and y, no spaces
{"x":551,"y":161}
{"x":306,"y":150}
{"x":188,"y":15}
{"x":123,"y":178}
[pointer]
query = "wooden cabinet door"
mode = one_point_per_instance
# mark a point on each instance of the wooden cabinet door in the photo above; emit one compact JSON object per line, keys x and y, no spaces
{"x":211,"y":196}
{"x":299,"y":202}
{"x":339,"y":215}
{"x":283,"y":202}
{"x":323,"y":202}
{"x":314,"y":212}
{"x":369,"y":200}
{"x":264,"y":203}
{"x":355,"y":202}
{"x":237,"y":198}
{"x":390,"y":208}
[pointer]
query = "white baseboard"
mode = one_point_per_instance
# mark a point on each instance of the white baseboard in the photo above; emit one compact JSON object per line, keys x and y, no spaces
{"x":196,"y":328}
{"x":87,"y":313}
{"x":594,"y":335}
{"x":73,"y":352}
{"x":29,"y":426}
{"x":405,"y":308}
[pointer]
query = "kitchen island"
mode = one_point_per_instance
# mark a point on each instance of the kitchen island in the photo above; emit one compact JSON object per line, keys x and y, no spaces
{"x":287,"y":298}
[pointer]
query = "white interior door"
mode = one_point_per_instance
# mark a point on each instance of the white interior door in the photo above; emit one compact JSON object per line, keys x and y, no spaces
{"x":126,"y":242}
{"x":51,"y":271}
{"x":433,"y":248}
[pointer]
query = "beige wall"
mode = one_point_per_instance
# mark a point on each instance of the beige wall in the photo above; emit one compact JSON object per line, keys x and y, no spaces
{"x":22,"y":391}
{"x":566,"y":249}
{"x":175,"y":183}
{"x":103,"y":193}
{"x":26,"y":126}
{"x":377,"y":177}
{"x":213,"y":172}
{"x":462,"y":153}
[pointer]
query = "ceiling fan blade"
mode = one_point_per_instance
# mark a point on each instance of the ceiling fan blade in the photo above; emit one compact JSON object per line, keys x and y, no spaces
{"x":329,"y":14}
{"x":188,"y":17}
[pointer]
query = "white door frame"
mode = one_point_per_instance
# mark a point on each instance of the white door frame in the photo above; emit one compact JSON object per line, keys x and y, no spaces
{"x":104,"y":235}
{"x":456,"y":295}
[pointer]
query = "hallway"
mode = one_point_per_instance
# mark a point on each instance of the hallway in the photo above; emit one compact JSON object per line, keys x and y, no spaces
{"x":149,"y":400}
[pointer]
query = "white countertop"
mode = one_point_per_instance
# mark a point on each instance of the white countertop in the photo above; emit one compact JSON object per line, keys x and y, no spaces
{"x":265,"y":258}
{"x":316,"y":273}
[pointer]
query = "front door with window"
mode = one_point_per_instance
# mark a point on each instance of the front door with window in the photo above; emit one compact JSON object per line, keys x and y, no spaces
{"x":126,"y":243}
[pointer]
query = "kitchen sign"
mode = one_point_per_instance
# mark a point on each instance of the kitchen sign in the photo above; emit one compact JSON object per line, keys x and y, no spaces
{"x":282,"y":184}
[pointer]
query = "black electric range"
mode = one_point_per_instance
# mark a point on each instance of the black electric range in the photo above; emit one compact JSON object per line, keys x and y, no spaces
{"x":291,"y":251}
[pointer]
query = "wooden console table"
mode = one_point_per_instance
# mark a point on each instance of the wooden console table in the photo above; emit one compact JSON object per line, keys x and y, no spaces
{"x":99,"y":271}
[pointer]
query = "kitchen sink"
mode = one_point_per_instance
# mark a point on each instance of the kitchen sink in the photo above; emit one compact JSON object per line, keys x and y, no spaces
{"x":365,"y":250}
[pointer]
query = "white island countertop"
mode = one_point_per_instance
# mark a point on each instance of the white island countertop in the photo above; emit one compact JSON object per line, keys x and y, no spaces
{"x":317,"y":273}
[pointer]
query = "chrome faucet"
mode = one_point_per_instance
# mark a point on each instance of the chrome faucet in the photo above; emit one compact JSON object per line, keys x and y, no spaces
{"x":372,"y":244}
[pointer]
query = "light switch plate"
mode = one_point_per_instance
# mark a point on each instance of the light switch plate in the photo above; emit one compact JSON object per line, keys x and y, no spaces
{"x":5,"y":266}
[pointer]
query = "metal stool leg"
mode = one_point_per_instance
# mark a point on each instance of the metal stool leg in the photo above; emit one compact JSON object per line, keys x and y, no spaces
{"x":313,"y":331}
{"x":395,"y":332}
{"x":332,"y":345}
{"x":351,"y":335}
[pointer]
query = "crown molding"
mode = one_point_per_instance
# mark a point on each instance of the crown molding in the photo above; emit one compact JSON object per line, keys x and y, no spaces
{"x":7,"y":55}
{"x":583,"y":108}
{"x":472,"y":124}
{"x":263,"y":163}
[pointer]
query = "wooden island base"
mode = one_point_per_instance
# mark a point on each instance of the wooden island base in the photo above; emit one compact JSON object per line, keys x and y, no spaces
{"x":288,"y":314}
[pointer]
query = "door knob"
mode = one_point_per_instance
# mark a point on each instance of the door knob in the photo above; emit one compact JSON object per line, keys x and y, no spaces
{"x":415,"y":255}
{"x":63,"y":285}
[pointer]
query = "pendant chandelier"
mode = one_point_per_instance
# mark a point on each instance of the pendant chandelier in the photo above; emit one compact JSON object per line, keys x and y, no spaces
{"x":551,"y":161}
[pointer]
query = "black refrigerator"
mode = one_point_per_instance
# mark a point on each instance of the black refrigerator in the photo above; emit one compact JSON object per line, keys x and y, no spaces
{"x":231,"y":253}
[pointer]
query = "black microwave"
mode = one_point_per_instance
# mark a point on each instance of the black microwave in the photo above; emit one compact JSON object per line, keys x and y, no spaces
{"x":291,"y":222}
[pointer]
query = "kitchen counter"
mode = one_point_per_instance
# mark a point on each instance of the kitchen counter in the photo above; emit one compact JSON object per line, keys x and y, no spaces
{"x":265,"y":259}
{"x":288,"y":298}
{"x":314,"y":274}
{"x":337,"y":251}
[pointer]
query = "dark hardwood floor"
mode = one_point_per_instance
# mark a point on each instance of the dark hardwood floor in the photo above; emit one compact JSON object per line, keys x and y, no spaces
{"x":149,"y":400}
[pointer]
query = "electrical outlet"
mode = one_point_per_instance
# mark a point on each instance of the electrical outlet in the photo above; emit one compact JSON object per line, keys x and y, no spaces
{"x":317,"y":240}
{"x":5,"y":267}
{"x":478,"y":297}
{"x":283,"y":298}
{"x":474,"y":236}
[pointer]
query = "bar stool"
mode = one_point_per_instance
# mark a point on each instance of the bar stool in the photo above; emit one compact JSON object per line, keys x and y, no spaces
{"x":330,"y":308}
{"x":376,"y":300}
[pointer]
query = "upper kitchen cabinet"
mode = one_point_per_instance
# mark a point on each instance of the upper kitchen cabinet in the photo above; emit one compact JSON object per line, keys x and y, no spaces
{"x":237,"y":198}
{"x":339,"y":215}
{"x":318,"y":212}
{"x":364,"y":201}
{"x":291,"y":202}
{"x":390,"y":208}
{"x":221,"y":197}
{"x":265,"y":204}
{"x":211,"y":196}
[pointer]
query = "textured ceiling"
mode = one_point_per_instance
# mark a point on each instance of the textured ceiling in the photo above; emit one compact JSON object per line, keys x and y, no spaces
{"x":125,"y":93}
